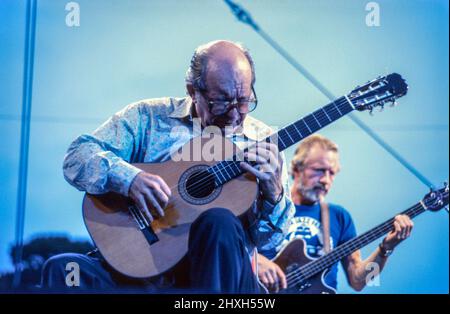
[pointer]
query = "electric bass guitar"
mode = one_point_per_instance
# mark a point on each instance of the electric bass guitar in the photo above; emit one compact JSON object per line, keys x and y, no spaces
{"x":307,"y":276}
{"x":139,"y":249}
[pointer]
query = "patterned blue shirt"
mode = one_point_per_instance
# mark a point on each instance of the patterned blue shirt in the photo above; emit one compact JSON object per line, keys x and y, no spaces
{"x":144,"y":132}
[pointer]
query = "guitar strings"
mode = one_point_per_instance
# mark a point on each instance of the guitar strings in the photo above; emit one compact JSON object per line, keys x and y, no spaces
{"x":229,"y":165}
{"x":285,"y":137}
{"x":320,"y":116}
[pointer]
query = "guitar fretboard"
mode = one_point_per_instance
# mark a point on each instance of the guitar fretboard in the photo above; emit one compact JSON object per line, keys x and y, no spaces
{"x":312,"y":268}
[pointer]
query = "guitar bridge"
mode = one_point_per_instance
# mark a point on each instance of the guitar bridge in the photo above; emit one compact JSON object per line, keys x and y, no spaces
{"x":144,"y":225}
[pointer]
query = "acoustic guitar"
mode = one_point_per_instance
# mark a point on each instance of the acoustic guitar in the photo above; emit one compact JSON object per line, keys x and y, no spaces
{"x":139,"y":249}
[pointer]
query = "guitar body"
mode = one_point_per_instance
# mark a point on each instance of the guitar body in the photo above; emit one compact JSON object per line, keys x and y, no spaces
{"x":127,"y":248}
{"x":294,"y":256}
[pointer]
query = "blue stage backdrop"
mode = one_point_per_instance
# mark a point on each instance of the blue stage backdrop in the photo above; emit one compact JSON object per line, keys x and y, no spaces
{"x":123,"y":51}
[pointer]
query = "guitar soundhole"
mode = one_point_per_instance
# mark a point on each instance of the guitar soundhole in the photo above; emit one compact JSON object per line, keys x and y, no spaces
{"x":197,"y":186}
{"x":200,"y":184}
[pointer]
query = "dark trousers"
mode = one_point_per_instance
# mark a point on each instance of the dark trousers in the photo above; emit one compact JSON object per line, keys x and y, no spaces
{"x":217,"y":262}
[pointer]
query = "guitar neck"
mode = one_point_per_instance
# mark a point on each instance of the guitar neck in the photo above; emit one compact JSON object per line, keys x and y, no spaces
{"x":313,"y":122}
{"x":357,"y":243}
{"x":227,"y":170}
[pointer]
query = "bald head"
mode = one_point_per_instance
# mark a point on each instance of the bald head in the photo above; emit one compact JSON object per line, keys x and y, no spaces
{"x":226,"y":61}
{"x":219,"y":59}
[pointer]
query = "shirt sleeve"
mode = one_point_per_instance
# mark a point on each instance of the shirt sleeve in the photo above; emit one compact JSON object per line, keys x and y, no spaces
{"x":268,"y":223}
{"x":348,"y":229}
{"x":98,"y":163}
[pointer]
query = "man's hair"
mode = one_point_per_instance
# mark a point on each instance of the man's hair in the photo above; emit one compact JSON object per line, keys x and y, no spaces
{"x":195,"y":74}
{"x":303,"y":149}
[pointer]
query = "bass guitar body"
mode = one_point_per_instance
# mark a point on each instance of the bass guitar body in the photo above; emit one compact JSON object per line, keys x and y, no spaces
{"x":291,"y":259}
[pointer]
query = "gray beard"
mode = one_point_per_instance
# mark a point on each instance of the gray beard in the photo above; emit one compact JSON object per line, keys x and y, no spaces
{"x":309,"y":194}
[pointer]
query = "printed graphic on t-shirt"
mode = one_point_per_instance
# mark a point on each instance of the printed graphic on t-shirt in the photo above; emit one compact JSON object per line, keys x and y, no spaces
{"x":310,"y":230}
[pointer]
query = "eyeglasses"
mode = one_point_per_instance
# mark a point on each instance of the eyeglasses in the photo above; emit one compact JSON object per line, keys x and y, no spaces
{"x":220,"y":107}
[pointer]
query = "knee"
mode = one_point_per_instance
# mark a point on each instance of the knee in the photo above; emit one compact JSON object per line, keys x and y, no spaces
{"x":217,"y":221}
{"x":218,"y":217}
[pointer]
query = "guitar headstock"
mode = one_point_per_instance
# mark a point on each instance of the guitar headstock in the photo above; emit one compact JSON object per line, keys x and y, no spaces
{"x":378,"y":92}
{"x":436,"y":199}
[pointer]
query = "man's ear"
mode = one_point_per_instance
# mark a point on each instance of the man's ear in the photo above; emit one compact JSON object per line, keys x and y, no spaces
{"x":191,"y":91}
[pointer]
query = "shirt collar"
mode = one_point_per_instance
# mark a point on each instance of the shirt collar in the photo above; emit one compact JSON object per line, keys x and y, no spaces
{"x":182,"y":109}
